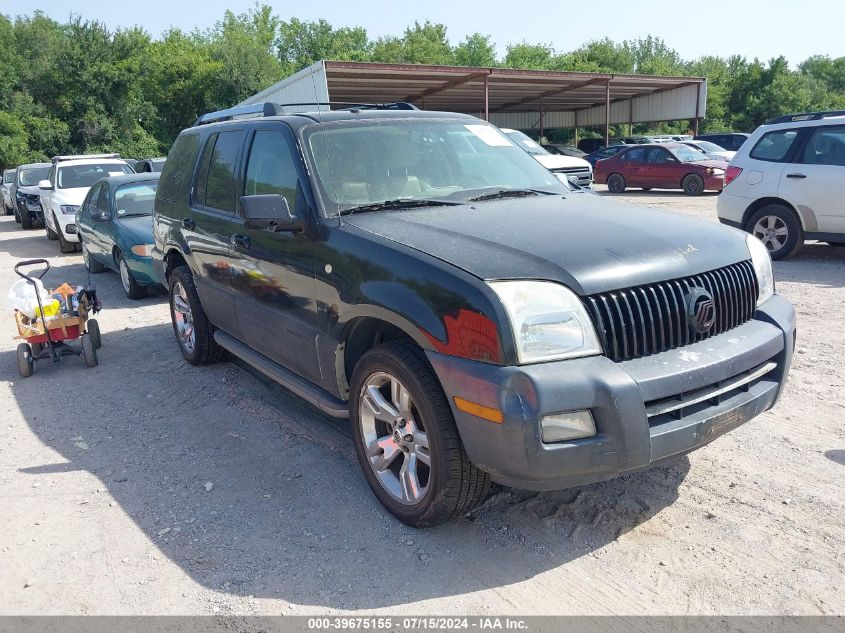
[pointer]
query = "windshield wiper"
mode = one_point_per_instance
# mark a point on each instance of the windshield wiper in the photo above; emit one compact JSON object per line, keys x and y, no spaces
{"x":401,"y":203}
{"x":509,"y":193}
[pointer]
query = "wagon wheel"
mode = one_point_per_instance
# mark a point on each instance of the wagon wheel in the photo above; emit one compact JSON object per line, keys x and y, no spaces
{"x":94,"y":332}
{"x":89,"y":352}
{"x":25,"y":360}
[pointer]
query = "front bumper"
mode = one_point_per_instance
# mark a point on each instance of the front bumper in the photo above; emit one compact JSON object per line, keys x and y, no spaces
{"x":618,"y":395}
{"x":714,"y":183}
{"x":143,"y":270}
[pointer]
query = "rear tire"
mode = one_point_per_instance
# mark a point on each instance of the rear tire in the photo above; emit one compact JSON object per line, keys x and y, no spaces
{"x":89,"y":352}
{"x":24,"y":360}
{"x":194,"y":333}
{"x":94,"y":332}
{"x":779,"y":229}
{"x":415,"y":425}
{"x":616,"y":183}
{"x":693,"y":185}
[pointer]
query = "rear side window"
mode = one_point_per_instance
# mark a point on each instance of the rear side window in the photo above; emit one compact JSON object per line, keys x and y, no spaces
{"x":271,"y":168}
{"x":179,"y":170}
{"x":634,"y":156}
{"x":826,"y":147}
{"x":774,"y":146}
{"x":220,"y":182}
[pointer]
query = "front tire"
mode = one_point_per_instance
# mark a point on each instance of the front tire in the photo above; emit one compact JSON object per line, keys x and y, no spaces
{"x":406,"y":439}
{"x":26,"y":221}
{"x":131,"y":287}
{"x":51,"y":234}
{"x":17,"y":216}
{"x":65,"y":245}
{"x":693,"y":185}
{"x":616,"y":183}
{"x":778,"y":228}
{"x":194,"y":333}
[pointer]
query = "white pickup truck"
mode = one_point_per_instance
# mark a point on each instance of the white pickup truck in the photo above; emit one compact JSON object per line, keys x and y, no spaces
{"x":576,"y":170}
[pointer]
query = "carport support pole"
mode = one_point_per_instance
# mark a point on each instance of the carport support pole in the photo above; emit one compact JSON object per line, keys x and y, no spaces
{"x":697,"y":106}
{"x":576,"y":128}
{"x":607,"y":112}
{"x":486,"y":99}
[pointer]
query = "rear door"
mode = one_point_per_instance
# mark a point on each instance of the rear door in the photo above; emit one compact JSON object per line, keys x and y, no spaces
{"x":815,"y":179}
{"x":634,"y":167}
{"x":209,"y":224}
{"x":273,"y":271}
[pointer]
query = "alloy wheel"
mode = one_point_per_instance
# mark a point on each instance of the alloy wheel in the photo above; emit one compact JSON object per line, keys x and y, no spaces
{"x":394,"y":437}
{"x":772,"y":231}
{"x":183,"y":318}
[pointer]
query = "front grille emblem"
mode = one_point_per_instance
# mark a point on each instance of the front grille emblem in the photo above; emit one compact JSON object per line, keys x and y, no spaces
{"x":701,"y":311}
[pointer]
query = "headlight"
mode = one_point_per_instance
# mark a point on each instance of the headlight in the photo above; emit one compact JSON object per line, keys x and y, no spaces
{"x":762,"y":267}
{"x":549,"y":322}
{"x":142,"y":250}
{"x":70,"y":209}
{"x":718,"y":172}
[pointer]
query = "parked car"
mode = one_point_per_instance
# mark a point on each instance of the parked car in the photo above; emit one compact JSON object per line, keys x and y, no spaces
{"x":664,"y":166}
{"x":731,"y":141}
{"x":590,"y":145}
{"x":604,"y":152}
{"x":712,"y":150}
{"x":28,"y":212}
{"x":564,"y":150}
{"x":115,"y":230}
{"x":787,"y":183}
{"x":67,"y":183}
{"x":149,"y":165}
{"x":6,"y":191}
{"x":475,"y":320}
{"x":576,"y":170}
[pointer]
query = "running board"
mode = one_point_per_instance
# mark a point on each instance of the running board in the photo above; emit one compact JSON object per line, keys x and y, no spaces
{"x":306,"y":390}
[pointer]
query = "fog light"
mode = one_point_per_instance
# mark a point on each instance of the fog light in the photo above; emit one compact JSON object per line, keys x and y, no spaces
{"x":70,"y":229}
{"x":567,"y":426}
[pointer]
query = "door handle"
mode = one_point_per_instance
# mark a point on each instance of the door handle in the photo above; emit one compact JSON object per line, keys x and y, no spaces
{"x":798,"y":176}
{"x":241,"y":241}
{"x":188,"y":223}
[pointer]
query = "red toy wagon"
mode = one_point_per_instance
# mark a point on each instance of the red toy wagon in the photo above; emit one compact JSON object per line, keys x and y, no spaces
{"x":48,"y":336}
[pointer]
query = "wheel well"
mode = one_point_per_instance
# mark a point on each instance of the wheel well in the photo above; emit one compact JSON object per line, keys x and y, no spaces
{"x":173,"y":260}
{"x":115,"y":254}
{"x":362,"y":335}
{"x":762,"y":202}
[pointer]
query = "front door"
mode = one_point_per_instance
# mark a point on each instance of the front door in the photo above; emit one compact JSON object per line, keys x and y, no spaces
{"x":816,"y":180}
{"x":662,"y":168}
{"x":273,"y":271}
{"x":208,"y":226}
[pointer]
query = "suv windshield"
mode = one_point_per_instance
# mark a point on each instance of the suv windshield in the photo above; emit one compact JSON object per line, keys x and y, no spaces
{"x":707,"y":146}
{"x":8,"y":176}
{"x":135,"y":199}
{"x":372,"y":161}
{"x":687,"y":154}
{"x":527,"y":143}
{"x":75,"y":176}
{"x":32,"y":176}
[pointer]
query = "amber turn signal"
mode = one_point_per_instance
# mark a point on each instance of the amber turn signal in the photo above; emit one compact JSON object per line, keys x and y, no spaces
{"x":479,"y":410}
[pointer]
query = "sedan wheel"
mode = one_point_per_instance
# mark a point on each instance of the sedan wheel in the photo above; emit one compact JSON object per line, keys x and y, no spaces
{"x":132,"y":288}
{"x":693,"y":185}
{"x":616,"y":183}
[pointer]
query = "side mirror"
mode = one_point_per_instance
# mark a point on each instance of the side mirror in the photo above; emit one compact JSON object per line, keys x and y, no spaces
{"x":270,"y":211}
{"x":101,"y":216}
{"x":45,"y":184}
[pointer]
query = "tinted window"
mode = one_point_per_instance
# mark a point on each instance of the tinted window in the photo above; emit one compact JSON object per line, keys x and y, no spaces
{"x":178,"y":172}
{"x":636,"y":155}
{"x":657,"y":156}
{"x":271,"y":168}
{"x":221,"y":191}
{"x":826,"y":147}
{"x":77,"y":176}
{"x":202,"y":175}
{"x":775,"y":145}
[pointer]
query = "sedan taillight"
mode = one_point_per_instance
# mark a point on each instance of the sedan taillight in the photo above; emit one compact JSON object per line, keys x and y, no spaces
{"x":731,"y":174}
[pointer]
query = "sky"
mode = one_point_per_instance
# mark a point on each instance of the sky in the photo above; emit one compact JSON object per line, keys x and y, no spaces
{"x":753,"y":28}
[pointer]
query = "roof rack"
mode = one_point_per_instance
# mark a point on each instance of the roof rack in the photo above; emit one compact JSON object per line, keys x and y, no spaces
{"x":58,"y":159}
{"x":805,"y":116}
{"x":278,"y":109}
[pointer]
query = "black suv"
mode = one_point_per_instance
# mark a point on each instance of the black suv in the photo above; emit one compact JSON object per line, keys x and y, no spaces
{"x":475,"y":318}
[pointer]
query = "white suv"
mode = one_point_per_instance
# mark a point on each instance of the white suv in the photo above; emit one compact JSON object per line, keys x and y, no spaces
{"x":65,"y":188}
{"x":575,"y":170}
{"x":786,"y":184}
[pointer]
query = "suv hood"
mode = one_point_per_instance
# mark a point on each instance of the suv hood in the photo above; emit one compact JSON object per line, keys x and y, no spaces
{"x":556,"y":161}
{"x":589,"y":243}
{"x":70,"y":196}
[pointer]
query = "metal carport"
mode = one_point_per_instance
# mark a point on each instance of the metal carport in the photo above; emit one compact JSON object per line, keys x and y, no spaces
{"x":507,"y":97}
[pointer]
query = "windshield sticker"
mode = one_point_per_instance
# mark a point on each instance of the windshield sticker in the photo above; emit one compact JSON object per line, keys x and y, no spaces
{"x":489,"y":135}
{"x":116,"y":173}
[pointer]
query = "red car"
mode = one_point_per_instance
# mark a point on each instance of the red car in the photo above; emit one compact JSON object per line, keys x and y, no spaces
{"x":661,"y":166}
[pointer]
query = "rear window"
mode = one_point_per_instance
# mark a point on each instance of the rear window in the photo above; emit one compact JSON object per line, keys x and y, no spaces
{"x":78,"y":176}
{"x":774,"y":146}
{"x":178,"y":171}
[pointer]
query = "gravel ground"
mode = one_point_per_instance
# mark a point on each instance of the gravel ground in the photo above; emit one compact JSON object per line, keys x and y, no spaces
{"x":146,"y":486}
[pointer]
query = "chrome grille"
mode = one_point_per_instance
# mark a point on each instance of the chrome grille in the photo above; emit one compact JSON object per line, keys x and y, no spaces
{"x":644,"y":320}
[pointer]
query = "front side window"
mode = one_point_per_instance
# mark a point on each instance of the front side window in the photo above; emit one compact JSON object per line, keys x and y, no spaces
{"x":774,"y":146}
{"x":79,"y":176}
{"x":271,"y":168}
{"x":826,"y":147}
{"x":372,"y":161}
{"x":135,"y":199}
{"x":90,"y":202}
{"x":103,"y":201}
{"x":658,"y":156}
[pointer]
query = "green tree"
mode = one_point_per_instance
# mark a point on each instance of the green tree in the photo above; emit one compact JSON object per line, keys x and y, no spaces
{"x":531,"y":56}
{"x":476,"y":50}
{"x":301,"y":44}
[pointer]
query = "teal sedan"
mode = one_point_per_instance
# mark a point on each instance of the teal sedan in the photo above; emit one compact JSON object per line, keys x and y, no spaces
{"x":115,"y":228}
